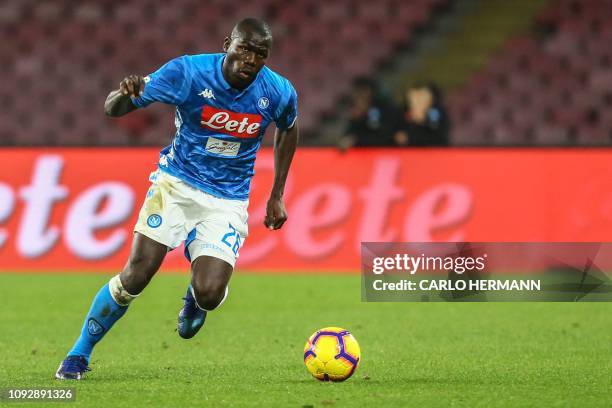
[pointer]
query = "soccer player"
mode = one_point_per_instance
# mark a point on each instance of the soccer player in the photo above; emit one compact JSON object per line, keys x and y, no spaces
{"x":199,"y":193}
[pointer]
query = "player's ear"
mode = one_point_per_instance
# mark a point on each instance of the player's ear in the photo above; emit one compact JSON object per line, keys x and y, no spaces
{"x":226,"y":44}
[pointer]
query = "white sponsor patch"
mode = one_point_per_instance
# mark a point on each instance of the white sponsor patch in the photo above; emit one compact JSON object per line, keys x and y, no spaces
{"x":222,"y":147}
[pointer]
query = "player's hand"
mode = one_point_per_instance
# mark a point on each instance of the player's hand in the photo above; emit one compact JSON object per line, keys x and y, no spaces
{"x":276,"y":215}
{"x":132,"y":85}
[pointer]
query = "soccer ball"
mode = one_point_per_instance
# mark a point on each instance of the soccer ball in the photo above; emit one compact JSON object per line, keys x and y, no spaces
{"x":332,"y":354}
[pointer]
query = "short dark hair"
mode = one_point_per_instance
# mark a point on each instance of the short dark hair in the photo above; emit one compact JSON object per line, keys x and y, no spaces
{"x":252,"y":25}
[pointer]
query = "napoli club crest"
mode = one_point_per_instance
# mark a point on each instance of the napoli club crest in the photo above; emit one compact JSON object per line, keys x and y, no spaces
{"x":154,"y":220}
{"x":93,"y":327}
{"x":263,"y":102}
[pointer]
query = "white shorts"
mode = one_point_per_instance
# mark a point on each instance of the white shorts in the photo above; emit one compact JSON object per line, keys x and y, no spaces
{"x":174,"y":212}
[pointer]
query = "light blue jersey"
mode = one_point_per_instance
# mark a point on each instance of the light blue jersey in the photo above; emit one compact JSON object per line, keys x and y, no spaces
{"x":219,"y":128}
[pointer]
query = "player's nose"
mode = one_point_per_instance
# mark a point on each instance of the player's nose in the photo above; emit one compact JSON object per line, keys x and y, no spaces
{"x":249,"y":58}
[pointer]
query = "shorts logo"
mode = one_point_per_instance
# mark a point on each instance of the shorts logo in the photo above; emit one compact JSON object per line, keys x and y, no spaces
{"x":263,"y":102}
{"x":154,"y":220}
{"x":242,"y":125}
{"x":93,"y":327}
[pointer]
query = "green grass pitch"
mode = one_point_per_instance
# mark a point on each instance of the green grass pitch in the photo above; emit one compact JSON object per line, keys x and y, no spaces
{"x":250,"y":351}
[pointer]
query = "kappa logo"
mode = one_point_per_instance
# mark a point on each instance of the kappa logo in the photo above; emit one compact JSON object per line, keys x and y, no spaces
{"x":207,"y":93}
{"x":93,"y":327}
{"x":242,"y":125}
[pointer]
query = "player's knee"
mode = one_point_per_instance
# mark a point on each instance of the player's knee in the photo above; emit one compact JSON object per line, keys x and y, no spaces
{"x":209,"y":295}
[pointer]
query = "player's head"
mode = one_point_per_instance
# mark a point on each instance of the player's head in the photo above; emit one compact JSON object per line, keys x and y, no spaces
{"x":247,"y":49}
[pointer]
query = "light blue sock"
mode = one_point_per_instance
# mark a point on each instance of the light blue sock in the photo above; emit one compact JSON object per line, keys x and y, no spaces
{"x":104,"y":312}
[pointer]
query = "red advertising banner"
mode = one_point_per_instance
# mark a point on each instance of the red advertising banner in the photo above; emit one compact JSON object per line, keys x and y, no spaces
{"x":74,"y":209}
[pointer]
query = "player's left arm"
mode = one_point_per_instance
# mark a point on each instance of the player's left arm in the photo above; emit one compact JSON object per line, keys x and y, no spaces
{"x":285,"y":142}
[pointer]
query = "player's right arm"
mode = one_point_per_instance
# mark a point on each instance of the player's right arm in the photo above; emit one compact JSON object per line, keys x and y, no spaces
{"x":170,"y":84}
{"x":119,"y":102}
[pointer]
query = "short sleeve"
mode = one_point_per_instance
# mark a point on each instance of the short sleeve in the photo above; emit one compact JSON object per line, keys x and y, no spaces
{"x":170,"y":84}
{"x":287,"y":111}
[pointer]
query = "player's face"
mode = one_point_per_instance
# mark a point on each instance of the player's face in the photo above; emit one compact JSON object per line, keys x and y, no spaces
{"x":245,"y":57}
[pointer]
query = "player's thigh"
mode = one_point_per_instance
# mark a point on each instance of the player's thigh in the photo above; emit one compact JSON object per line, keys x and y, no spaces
{"x":219,"y":238}
{"x":221,"y":231}
{"x":214,"y":243}
{"x":213,"y":248}
{"x":161,"y":225}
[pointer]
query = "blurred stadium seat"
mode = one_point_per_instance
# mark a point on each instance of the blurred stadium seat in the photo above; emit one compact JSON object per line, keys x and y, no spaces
{"x":555,"y":85}
{"x":64,"y":56}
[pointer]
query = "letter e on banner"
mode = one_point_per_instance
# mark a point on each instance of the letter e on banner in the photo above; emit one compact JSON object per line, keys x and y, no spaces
{"x":426,"y":216}
{"x":322,"y":206}
{"x":83,"y":220}
{"x":7,"y":204}
{"x":35,"y":238}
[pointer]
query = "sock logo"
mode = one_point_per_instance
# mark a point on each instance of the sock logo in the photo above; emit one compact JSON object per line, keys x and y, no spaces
{"x":93,"y":327}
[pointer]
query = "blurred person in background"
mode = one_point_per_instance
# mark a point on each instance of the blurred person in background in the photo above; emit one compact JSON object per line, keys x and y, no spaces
{"x":425,"y":121}
{"x":372,"y":117}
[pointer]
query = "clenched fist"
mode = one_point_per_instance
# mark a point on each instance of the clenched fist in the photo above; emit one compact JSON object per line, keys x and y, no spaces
{"x":276,"y":215}
{"x":132,"y":85}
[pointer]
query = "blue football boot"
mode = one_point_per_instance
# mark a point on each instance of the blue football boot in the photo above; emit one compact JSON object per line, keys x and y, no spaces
{"x":72,"y":368}
{"x":191,"y":318}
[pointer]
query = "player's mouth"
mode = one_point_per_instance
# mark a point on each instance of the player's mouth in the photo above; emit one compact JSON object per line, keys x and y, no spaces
{"x":245,"y":74}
